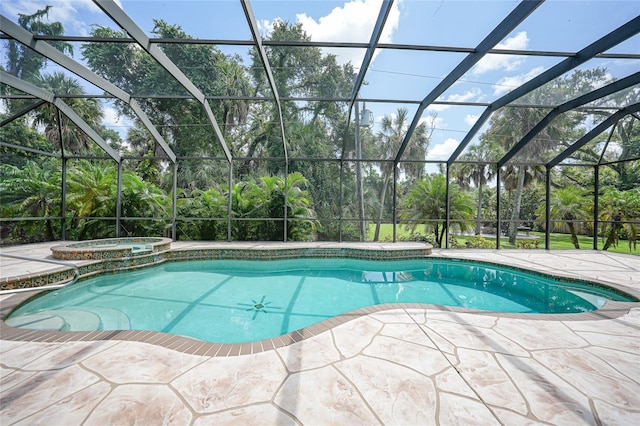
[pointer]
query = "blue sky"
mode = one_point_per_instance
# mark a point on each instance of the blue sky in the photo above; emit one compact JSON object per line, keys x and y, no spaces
{"x":555,"y":25}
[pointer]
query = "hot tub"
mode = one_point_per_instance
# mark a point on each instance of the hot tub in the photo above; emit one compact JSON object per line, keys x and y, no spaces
{"x":110,"y":248}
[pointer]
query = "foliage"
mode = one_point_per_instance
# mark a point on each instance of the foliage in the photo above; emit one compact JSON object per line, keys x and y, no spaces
{"x":392,"y":132}
{"x":620,"y":214}
{"x":318,"y":193}
{"x":478,"y":171}
{"x":528,"y":244}
{"x":24,"y":62}
{"x":426,"y":203}
{"x":32,"y":191}
{"x":478,"y":241}
{"x":510,"y":124}
{"x":19,"y":134}
{"x":568,"y":205}
{"x":73,"y":138}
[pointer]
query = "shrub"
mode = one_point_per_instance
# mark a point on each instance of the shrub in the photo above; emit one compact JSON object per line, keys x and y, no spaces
{"x":480,"y":242}
{"x":528,"y":244}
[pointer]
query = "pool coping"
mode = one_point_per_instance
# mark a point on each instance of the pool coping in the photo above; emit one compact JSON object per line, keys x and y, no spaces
{"x":190,"y":345}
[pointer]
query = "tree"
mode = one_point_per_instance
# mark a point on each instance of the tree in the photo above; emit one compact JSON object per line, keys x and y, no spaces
{"x":142,"y":199}
{"x":33,"y":190}
{"x":426,"y":202}
{"x":24,"y":62}
{"x":479,"y":171}
{"x":302,"y":71}
{"x":619,"y":212}
{"x":510,"y":124}
{"x":208,"y":207}
{"x":233,"y":83}
{"x":73,"y":138}
{"x":392,"y":132}
{"x":182,"y":122}
{"x":92,"y":194}
{"x":19,"y":134}
{"x":569,"y":205}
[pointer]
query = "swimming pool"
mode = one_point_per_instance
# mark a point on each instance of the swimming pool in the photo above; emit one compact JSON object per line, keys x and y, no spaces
{"x":235,"y":301}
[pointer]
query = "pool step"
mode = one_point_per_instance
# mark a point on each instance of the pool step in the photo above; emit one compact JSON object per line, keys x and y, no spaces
{"x":73,"y":320}
{"x":39,"y":321}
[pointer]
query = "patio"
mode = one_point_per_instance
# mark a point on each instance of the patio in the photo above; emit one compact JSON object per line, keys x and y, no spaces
{"x":407,"y":365}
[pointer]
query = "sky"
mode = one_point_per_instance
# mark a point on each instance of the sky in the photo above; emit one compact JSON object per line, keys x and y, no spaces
{"x":396,"y":74}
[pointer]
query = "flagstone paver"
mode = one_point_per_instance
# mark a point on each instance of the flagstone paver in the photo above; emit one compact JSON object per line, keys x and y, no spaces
{"x":399,"y":366}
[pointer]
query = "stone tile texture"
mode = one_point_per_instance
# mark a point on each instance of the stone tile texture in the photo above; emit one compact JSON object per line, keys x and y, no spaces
{"x":403,"y":366}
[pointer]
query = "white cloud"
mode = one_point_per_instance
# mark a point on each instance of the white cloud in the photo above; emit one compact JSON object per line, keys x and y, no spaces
{"x":111,"y":117}
{"x":493,"y":62}
{"x":433,"y":121}
{"x":471,"y":119}
{"x":265,"y":27}
{"x":469,"y":95}
{"x":444,"y":150}
{"x":507,"y":84}
{"x":353,"y":22}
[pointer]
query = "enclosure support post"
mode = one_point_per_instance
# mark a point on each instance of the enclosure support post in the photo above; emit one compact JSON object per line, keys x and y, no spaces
{"x":447,"y":222}
{"x":63,"y":201}
{"x":230,"y":201}
{"x":286,"y":199}
{"x":340,"y":203}
{"x":395,"y":202}
{"x":119,"y":200}
{"x":596,"y":204}
{"x":63,"y":189}
{"x":359,"y":189}
{"x":498,"y":224}
{"x":174,"y":202}
{"x":547,"y":209}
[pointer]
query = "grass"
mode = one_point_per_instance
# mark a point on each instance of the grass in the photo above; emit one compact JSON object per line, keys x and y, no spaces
{"x":556,"y":241}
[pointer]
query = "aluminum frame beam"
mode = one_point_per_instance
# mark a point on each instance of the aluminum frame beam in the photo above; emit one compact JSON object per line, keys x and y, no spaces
{"x":45,"y":49}
{"x":385,"y":8}
{"x":508,"y":24}
{"x":356,"y":45}
{"x":609,"y":121}
{"x":38,"y":92}
{"x":22,"y":112}
{"x":32,"y":150}
{"x":255,"y":33}
{"x":614,"y":87}
{"x":111,"y":9}
{"x":605,"y":43}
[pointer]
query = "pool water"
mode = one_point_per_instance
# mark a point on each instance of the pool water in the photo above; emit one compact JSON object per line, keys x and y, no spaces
{"x":135,"y":248}
{"x":227,"y":301}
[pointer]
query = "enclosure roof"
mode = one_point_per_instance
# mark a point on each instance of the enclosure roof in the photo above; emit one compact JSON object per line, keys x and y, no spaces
{"x":453,"y":64}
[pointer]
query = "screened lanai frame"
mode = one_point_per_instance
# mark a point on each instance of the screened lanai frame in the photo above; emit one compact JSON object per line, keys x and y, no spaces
{"x":568,"y":61}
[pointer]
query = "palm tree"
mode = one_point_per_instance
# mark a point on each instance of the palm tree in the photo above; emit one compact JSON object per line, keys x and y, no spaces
{"x":390,"y":137}
{"x":427,"y":201}
{"x":88,"y":109}
{"x":32,"y":189}
{"x":92,"y":194}
{"x":142,"y":199}
{"x":508,"y":126}
{"x":233,"y":83}
{"x":620,"y":211}
{"x":479,"y":172}
{"x":300,"y":213}
{"x":567,"y":204}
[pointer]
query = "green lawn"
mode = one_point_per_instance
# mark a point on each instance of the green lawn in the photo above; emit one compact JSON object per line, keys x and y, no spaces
{"x":557,"y":241}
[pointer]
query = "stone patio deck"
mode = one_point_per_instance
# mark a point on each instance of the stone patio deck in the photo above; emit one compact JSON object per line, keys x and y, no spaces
{"x":400,"y":366}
